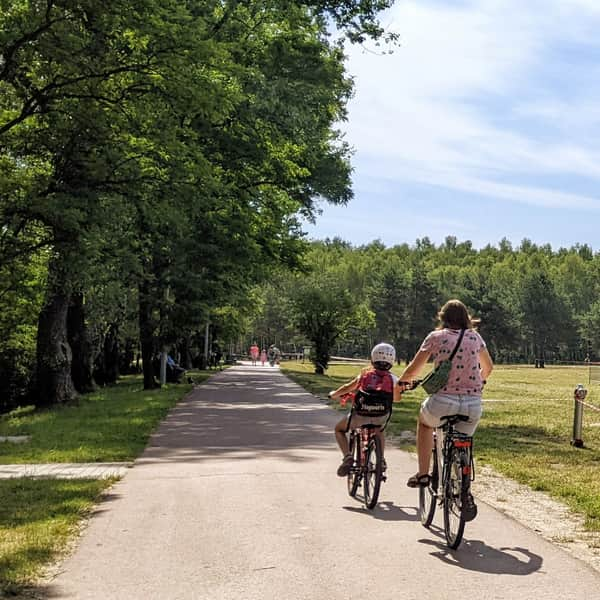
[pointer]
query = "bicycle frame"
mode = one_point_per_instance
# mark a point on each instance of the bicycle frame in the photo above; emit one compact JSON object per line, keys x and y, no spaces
{"x":450,"y":480}
{"x":368,"y":463}
{"x":366,"y":448}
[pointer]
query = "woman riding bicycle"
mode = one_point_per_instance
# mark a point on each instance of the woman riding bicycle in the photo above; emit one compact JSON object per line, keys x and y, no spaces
{"x":376,"y":379}
{"x":471,"y":366}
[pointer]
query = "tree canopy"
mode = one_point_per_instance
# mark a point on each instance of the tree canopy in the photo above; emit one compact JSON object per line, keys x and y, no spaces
{"x":160,"y":154}
{"x":533,"y":302}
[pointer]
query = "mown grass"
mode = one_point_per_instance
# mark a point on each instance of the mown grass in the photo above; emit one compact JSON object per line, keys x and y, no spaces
{"x":111,"y":424}
{"x":525,"y":432}
{"x":37,"y":520}
{"x":38,"y":517}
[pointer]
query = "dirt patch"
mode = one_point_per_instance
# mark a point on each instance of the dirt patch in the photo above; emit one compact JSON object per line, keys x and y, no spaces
{"x":551,"y":519}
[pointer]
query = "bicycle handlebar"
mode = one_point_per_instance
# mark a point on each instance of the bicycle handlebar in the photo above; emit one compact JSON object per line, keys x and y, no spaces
{"x":409,"y":385}
{"x":406,"y":386}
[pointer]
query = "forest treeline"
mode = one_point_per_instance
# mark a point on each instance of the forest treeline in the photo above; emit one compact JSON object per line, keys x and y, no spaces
{"x":533,"y":302}
{"x":156,"y":157}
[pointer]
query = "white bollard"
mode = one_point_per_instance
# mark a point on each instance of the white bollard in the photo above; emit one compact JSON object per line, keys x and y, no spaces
{"x":579,"y":395}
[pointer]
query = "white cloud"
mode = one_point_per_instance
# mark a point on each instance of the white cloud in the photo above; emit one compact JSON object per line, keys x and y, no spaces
{"x":458,"y":100}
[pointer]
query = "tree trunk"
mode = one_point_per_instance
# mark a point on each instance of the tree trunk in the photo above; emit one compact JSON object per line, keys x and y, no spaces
{"x":111,"y":354}
{"x":186,"y":355}
{"x":77,"y":335}
{"x":53,"y":370}
{"x":146,"y":336}
{"x":127,"y":358}
{"x":321,"y":355}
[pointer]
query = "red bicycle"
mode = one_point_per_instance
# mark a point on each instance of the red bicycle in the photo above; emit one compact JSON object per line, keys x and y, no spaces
{"x":368,"y":465}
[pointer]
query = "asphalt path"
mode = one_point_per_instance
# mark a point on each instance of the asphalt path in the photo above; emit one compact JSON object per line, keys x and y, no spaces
{"x":236,"y":498}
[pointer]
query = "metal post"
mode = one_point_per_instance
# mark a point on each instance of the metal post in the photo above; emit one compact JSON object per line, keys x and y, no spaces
{"x":206,"y":334}
{"x":579,"y":395}
{"x":163,"y":366}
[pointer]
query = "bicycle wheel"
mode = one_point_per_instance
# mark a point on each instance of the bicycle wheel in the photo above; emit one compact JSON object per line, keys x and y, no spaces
{"x":428,"y":495}
{"x":455,"y":485}
{"x":354,"y":473}
{"x":373,"y":472}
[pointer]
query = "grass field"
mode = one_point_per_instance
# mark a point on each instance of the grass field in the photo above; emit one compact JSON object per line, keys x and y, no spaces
{"x":525,"y":431}
{"x":38,"y":517}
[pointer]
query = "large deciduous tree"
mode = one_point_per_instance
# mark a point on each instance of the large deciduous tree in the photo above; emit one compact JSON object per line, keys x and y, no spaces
{"x":206,"y":127}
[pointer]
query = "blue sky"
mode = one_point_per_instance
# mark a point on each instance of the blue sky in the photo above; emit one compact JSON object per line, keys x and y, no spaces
{"x":483,"y":124}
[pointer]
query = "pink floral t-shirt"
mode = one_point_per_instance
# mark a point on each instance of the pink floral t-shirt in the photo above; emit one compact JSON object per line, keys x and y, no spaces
{"x":465,"y":376}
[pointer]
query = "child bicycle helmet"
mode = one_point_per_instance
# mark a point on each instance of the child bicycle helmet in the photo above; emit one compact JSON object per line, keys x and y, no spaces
{"x":383,"y":356}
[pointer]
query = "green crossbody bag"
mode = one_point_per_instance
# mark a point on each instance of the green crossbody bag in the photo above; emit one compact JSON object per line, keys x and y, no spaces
{"x":438,"y":377}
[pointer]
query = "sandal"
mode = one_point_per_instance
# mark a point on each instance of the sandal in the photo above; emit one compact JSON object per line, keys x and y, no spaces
{"x":469,"y":508}
{"x":418,"y":480}
{"x":346,"y":465}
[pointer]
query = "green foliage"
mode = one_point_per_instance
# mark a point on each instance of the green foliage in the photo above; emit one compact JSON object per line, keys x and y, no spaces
{"x":22,"y":282}
{"x":532,"y":302}
{"x":166,"y":151}
{"x":326,"y":301}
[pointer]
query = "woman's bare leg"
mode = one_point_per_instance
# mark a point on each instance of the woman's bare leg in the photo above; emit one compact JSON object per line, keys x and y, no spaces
{"x":424,"y":447}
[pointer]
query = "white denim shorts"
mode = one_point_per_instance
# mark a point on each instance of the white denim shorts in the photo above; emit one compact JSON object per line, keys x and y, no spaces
{"x":355,"y":420}
{"x":440,"y":405}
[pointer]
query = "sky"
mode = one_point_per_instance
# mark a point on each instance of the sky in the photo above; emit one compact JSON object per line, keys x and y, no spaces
{"x":483,"y":124}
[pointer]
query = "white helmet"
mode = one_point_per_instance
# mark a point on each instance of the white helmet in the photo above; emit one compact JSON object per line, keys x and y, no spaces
{"x":383,"y":353}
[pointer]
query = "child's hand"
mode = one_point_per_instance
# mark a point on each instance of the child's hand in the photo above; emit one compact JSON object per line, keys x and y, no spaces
{"x":345,"y":397}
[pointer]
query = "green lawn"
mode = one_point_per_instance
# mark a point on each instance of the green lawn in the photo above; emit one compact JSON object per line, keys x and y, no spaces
{"x":525,"y":431}
{"x":38,"y":517}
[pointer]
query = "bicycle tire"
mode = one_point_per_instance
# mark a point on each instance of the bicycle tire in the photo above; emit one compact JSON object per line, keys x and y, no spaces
{"x":373,"y":471}
{"x":354,"y":473}
{"x":428,"y":495}
{"x":455,"y":485}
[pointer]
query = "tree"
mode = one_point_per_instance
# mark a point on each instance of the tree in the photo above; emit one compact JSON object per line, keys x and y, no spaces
{"x":323,"y":310}
{"x":145,"y":104}
{"x":391,"y":294}
{"x":545,"y":317}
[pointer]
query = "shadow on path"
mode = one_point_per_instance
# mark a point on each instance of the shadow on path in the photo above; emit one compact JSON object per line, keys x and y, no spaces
{"x":386,"y":511}
{"x":243,"y":412}
{"x":475,"y":555}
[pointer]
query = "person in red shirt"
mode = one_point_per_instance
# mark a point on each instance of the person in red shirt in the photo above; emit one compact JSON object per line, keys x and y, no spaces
{"x":254,"y":352}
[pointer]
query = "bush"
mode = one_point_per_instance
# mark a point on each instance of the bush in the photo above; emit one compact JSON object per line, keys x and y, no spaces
{"x":17,"y":362}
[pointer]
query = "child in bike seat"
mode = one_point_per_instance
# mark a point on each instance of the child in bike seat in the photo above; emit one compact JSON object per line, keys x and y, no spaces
{"x":374,"y":391}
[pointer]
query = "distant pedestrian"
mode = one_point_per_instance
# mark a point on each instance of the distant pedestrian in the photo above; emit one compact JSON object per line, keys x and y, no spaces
{"x":254,"y":352}
{"x":274,"y":355}
{"x":263,"y":357}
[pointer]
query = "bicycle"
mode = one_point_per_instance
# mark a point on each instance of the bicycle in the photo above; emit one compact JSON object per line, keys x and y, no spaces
{"x":453,"y":458}
{"x":365,"y":447}
{"x":368,"y":463}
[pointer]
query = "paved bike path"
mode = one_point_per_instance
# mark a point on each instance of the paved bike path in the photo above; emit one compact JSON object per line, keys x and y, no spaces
{"x":236,"y":498}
